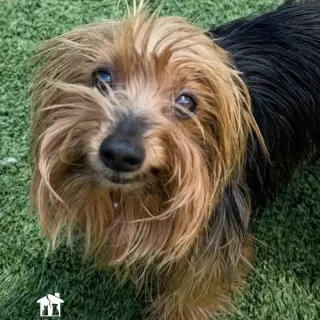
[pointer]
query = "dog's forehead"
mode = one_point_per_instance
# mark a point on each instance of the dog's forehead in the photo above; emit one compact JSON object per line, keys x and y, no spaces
{"x":170,"y":36}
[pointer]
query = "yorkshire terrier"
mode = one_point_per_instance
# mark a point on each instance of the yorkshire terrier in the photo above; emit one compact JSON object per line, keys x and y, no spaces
{"x":157,"y":139}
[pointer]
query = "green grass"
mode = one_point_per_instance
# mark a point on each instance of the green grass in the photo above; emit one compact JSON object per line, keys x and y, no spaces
{"x":286,"y":283}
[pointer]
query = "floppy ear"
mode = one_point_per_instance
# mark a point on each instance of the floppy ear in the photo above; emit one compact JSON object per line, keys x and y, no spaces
{"x":236,"y":130}
{"x":227,"y":109}
{"x":236,"y":134}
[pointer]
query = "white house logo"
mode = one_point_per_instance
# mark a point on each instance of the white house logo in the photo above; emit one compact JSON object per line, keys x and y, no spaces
{"x":50,"y":305}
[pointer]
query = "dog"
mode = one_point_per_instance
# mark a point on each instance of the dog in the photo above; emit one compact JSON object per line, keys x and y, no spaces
{"x":157,"y":139}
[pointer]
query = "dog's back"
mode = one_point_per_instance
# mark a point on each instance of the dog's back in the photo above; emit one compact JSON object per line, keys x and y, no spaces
{"x":278,"y":55}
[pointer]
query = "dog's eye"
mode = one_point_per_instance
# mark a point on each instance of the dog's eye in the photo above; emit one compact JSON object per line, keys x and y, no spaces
{"x":188,"y":103}
{"x":102,"y":80}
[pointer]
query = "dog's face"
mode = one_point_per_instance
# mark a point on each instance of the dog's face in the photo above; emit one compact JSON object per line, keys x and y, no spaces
{"x":139,"y":126}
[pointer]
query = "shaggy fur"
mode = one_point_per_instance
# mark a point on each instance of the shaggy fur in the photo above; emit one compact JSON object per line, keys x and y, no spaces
{"x":181,"y":218}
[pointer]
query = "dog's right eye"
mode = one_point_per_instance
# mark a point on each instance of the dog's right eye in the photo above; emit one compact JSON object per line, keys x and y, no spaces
{"x":188,"y":103}
{"x":102,"y":80}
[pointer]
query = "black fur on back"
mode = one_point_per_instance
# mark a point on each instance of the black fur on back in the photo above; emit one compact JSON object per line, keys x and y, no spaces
{"x":278,"y":54}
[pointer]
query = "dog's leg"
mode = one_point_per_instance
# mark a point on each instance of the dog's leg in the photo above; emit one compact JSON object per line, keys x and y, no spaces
{"x":199,"y":290}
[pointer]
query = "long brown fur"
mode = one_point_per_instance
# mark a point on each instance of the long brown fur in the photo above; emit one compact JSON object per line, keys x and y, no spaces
{"x":161,"y":222}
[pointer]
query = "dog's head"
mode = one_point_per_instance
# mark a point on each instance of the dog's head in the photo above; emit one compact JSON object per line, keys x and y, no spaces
{"x":139,"y":126}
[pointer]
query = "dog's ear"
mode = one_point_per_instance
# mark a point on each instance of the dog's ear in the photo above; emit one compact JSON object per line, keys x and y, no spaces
{"x":226,"y":105}
{"x":235,"y":130}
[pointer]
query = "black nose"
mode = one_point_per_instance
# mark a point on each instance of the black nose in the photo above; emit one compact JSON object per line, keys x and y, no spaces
{"x":122,"y":153}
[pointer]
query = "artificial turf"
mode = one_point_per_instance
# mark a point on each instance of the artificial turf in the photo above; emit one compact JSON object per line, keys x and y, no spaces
{"x":286,"y":282}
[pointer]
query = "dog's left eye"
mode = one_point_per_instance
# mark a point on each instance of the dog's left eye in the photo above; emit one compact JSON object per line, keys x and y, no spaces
{"x":188,"y":103}
{"x":101,"y":79}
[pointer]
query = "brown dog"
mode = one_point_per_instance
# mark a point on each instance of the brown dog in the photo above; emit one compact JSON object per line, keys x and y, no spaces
{"x":144,"y":137}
